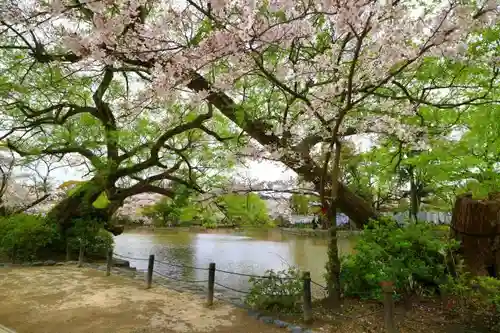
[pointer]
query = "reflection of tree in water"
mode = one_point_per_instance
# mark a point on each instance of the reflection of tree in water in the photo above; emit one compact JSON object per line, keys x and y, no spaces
{"x":176,"y":249}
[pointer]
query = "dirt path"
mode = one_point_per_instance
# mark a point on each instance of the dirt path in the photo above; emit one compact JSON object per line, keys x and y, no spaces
{"x":65,"y":299}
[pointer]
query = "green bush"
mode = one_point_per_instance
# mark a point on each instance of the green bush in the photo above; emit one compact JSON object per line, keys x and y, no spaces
{"x":280,"y":291}
{"x":409,"y":255}
{"x":474,"y":299}
{"x":97,"y":241}
{"x":22,"y":236}
{"x":209,"y":225}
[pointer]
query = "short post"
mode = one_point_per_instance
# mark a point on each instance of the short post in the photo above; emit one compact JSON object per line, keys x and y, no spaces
{"x":307,"y":307}
{"x":211,"y":283}
{"x":149,"y":276}
{"x":109,"y":262}
{"x":80,"y":255}
{"x":388,"y":290}
{"x":68,"y":250}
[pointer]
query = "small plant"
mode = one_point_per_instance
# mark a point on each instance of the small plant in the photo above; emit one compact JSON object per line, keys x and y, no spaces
{"x":279,"y":291}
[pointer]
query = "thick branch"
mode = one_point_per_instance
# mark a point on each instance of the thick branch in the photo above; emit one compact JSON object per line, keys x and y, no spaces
{"x":55,"y":151}
{"x":160,"y":143}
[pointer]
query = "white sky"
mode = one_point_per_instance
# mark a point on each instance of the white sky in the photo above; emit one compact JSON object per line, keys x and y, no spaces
{"x":258,"y":170}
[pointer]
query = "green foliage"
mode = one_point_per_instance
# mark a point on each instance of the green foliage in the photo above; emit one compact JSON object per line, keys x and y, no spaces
{"x":22,"y":236}
{"x":474,"y":299}
{"x":301,"y":204}
{"x":411,"y":256}
{"x":96,"y":240}
{"x":209,"y":224}
{"x":280,"y":291}
{"x":173,"y":211}
{"x":99,"y":245}
{"x":185,"y":208}
{"x":247,"y":209}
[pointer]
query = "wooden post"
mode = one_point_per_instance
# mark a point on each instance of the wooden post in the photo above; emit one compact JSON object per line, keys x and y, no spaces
{"x":149,"y":276}
{"x":109,"y":262}
{"x":211,"y":283}
{"x":80,"y":255}
{"x":307,"y":307}
{"x":68,"y":251}
{"x":388,"y":290}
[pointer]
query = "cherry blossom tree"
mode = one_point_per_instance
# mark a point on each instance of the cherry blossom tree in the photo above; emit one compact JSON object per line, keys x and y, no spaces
{"x":19,"y":190}
{"x":321,"y":69}
{"x":296,"y":76}
{"x":97,"y":115}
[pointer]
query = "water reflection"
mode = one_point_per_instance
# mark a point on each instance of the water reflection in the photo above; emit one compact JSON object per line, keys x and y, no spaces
{"x":250,"y":252}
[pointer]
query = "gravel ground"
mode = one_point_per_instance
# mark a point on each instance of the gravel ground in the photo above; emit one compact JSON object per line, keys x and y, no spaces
{"x":66,"y":299}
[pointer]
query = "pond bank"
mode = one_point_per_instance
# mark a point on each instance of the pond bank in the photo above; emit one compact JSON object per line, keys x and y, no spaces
{"x":309,"y":232}
{"x":48,"y":299}
{"x":320,"y":233}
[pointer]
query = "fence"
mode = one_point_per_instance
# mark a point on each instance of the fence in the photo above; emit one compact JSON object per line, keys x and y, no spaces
{"x":211,"y":281}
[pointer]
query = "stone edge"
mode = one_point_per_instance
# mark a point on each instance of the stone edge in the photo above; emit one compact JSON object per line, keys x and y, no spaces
{"x":251,"y":313}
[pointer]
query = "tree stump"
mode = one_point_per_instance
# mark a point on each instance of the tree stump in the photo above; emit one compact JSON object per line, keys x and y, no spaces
{"x":476,"y":224}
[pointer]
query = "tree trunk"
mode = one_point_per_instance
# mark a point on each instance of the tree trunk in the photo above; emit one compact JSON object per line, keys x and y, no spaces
{"x":414,"y":199}
{"x":333,"y":264}
{"x":358,"y":209}
{"x":476,"y":224}
{"x":78,"y":205}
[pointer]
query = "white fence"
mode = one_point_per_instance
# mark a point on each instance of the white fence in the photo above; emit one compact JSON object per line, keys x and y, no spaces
{"x":434,"y":217}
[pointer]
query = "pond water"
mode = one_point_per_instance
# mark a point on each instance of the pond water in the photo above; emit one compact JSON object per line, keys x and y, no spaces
{"x":247,"y":252}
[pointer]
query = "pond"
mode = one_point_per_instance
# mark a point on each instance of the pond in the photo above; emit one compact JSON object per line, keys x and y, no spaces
{"x":247,"y":252}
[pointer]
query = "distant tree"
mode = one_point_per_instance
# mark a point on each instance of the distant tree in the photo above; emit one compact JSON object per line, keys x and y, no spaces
{"x":248,"y":209}
{"x":301,"y":204}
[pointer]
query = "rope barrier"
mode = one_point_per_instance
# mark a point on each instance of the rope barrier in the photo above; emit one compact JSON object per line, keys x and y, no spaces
{"x":202,"y":268}
{"x":125,"y":257}
{"x":180,"y":280}
{"x":229,"y":288}
{"x":250,"y":275}
{"x":181,"y":266}
{"x":319,"y":285}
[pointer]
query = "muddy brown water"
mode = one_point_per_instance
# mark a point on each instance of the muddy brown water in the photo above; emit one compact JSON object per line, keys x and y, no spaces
{"x":247,"y":252}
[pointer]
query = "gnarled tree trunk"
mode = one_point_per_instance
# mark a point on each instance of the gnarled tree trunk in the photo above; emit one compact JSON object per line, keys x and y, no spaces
{"x":476,"y":224}
{"x":78,"y":205}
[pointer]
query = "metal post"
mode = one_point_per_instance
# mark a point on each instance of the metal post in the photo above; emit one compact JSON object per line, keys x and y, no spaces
{"x":307,"y":307}
{"x":149,"y":276}
{"x":211,"y":283}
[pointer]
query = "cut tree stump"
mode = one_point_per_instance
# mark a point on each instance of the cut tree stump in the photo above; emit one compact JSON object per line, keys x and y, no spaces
{"x":476,"y":224}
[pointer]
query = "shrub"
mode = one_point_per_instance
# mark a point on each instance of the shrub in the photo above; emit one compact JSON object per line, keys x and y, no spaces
{"x":279,"y":291}
{"x":97,"y":241}
{"x":209,"y":225}
{"x":410,"y":255}
{"x":22,"y":236}
{"x":474,"y":299}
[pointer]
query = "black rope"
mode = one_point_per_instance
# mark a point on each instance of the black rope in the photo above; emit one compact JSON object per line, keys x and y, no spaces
{"x":181,"y":266}
{"x":206,"y":269}
{"x":125,"y":257}
{"x":319,"y":285}
{"x":251,"y":275}
{"x":236,"y":290}
{"x":180,"y":280}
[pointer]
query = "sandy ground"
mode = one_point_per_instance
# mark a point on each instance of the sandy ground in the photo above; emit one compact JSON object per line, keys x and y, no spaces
{"x":65,"y":299}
